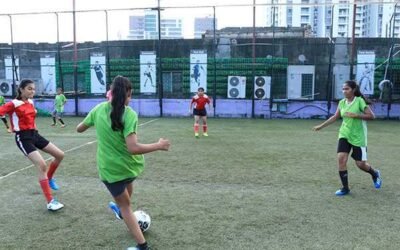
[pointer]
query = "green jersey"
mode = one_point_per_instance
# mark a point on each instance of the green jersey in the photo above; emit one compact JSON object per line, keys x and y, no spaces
{"x":59,"y":102}
{"x":353,"y":129}
{"x":114,"y":162}
{"x":2,"y":100}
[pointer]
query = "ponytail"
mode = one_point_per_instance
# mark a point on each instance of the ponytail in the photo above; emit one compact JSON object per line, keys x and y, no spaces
{"x":121,"y":88}
{"x":22,"y":85}
{"x":353,"y":85}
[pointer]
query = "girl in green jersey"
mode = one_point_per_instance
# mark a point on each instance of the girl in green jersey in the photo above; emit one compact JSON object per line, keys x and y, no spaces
{"x":119,"y":154}
{"x":355,"y":112}
{"x":58,"y":111}
{"x":3,"y":118}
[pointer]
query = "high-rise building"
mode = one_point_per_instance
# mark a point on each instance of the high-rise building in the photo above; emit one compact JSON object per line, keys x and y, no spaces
{"x":202,"y":24}
{"x":146,"y":27}
{"x":335,"y":17}
{"x":136,"y":27}
{"x":294,"y":13}
{"x":385,"y":27}
{"x":171,"y":28}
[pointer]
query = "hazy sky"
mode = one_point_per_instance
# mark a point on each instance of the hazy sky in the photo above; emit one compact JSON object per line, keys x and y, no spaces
{"x":91,"y":26}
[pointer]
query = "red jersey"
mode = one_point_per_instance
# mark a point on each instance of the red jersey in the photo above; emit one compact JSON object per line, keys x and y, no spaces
{"x":22,"y":114}
{"x":200,"y":101}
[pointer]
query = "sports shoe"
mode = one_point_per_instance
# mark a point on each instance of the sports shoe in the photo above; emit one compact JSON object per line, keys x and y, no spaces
{"x":342,"y":192}
{"x":205,"y":134}
{"x":377,"y":180}
{"x":9,"y":130}
{"x":63,"y":125}
{"x":53,"y":185}
{"x":115,"y":209}
{"x":196,"y":135}
{"x":53,"y":124}
{"x":54,"y":205}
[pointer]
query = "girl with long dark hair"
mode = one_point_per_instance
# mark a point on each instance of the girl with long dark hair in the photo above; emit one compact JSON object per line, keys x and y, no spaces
{"x":355,"y":111}
{"x":119,"y":154}
{"x":23,"y":114}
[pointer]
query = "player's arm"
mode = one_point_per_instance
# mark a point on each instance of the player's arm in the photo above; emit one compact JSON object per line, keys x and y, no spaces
{"x":191,"y":105}
{"x":65,"y":100}
{"x":366,"y":115}
{"x":6,"y":108}
{"x":328,"y":122}
{"x":88,"y":121}
{"x":82,"y":127}
{"x":134,"y":147}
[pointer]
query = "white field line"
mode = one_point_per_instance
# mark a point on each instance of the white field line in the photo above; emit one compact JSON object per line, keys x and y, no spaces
{"x":67,"y":151}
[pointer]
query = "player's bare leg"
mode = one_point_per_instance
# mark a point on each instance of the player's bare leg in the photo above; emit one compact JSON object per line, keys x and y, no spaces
{"x":205,"y":129}
{"x":196,"y":126}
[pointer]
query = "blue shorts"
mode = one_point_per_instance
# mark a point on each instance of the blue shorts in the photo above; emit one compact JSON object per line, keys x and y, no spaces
{"x":117,"y":188}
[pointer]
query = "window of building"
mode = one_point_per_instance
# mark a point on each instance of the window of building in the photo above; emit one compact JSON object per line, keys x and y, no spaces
{"x":304,"y":19}
{"x":305,"y":11}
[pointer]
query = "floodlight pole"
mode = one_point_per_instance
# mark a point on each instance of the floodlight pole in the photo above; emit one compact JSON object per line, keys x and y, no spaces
{"x":160,"y":85}
{"x":13,"y":69}
{"x":59,"y":53}
{"x":329,"y":87}
{"x":390,"y":58}
{"x":272,"y":65}
{"x":254,"y":58}
{"x":75,"y":59}
{"x":215,"y":62}
{"x":108,"y":78}
{"x":353,"y":40}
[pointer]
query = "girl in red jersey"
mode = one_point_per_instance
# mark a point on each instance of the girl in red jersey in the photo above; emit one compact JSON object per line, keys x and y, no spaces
{"x":199,"y":102}
{"x":23,"y":113}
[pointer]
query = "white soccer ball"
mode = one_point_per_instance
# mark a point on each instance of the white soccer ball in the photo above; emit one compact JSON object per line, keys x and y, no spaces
{"x":143,"y":219}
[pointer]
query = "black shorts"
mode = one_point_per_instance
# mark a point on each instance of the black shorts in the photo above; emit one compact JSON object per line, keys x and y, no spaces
{"x":29,"y":141}
{"x":358,"y":154}
{"x":200,"y":112}
{"x":117,"y":188}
